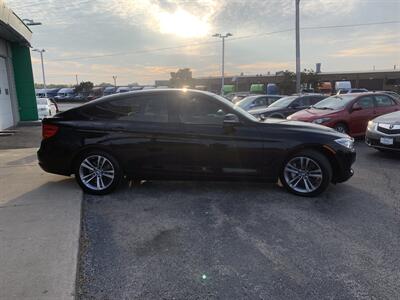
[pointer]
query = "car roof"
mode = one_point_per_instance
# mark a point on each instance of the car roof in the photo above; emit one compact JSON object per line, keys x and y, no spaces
{"x":149,"y":92}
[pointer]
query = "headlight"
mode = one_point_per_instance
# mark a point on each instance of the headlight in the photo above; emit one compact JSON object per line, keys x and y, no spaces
{"x":322,"y":120}
{"x":346,"y":142}
{"x":372,"y":125}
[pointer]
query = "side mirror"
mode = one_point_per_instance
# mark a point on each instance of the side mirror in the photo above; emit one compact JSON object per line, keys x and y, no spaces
{"x":294,"y":105}
{"x":231,"y":119}
{"x":356,"y":107}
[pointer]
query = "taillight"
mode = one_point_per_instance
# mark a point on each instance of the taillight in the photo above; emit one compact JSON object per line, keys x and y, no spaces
{"x":49,"y":130}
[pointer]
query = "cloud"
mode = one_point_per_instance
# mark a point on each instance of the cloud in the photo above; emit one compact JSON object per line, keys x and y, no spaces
{"x":369,"y":51}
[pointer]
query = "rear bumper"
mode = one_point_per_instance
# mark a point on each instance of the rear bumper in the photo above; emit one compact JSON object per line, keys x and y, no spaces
{"x":53,"y":160}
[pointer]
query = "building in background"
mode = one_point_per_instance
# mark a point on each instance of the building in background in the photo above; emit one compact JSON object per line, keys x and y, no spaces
{"x":17,"y":92}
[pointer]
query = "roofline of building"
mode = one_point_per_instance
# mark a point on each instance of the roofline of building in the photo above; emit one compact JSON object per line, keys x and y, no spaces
{"x":14,"y":24}
{"x":321,"y":73}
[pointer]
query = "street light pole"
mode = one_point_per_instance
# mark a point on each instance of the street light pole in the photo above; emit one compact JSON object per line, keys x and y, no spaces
{"x":43,"y":74}
{"x":298,"y":74}
{"x":223,"y":36}
{"x":115,"y":81}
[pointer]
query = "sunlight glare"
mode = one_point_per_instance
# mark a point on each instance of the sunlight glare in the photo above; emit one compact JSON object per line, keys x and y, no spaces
{"x":182,"y":23}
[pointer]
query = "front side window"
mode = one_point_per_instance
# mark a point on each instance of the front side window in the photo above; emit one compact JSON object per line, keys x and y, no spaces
{"x":198,"y":109}
{"x":261,"y":101}
{"x":382,"y":100}
{"x":303,"y":102}
{"x":366,"y":102}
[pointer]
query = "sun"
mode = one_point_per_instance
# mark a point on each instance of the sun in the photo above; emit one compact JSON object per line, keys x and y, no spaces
{"x":183,"y":24}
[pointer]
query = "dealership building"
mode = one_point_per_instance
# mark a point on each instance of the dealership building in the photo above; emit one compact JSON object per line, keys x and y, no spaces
{"x":17,"y":92}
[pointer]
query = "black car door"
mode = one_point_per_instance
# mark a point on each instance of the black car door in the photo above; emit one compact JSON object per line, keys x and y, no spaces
{"x":142,"y":135}
{"x":211,"y":149}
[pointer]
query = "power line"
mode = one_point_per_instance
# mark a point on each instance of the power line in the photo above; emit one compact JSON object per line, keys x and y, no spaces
{"x":232,"y":39}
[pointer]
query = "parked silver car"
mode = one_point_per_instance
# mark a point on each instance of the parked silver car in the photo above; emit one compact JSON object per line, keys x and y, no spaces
{"x":383,"y":133}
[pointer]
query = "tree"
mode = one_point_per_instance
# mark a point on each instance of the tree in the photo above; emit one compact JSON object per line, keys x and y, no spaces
{"x":288,"y":83}
{"x":183,"y":77}
{"x":309,"y":78}
{"x":84,"y":87}
{"x":105,"y":84}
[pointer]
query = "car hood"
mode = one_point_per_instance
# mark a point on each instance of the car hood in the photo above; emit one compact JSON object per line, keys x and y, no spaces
{"x":392,"y":118}
{"x":265,"y":110}
{"x":313,"y":113}
{"x":303,"y":126}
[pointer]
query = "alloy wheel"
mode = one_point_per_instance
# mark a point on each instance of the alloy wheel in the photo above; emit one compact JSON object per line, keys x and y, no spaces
{"x":303,"y":174}
{"x":96,"y":172}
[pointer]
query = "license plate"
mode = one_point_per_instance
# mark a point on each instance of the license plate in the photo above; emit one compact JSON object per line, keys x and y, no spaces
{"x":387,"y":141}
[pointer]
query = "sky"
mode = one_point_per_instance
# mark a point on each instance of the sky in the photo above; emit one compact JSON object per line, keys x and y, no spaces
{"x":144,"y":40}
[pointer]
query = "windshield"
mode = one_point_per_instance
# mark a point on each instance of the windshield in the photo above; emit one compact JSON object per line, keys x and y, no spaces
{"x":242,"y":103}
{"x":283,"y":102}
{"x":238,"y":109}
{"x":335,"y":102}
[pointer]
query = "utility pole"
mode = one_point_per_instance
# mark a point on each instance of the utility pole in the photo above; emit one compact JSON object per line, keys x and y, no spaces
{"x":115,"y":81}
{"x":223,"y":36}
{"x":298,"y":74}
{"x":43,"y":74}
{"x":76,"y":77}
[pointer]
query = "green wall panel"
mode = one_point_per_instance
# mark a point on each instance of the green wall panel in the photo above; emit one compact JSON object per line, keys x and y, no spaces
{"x":23,"y":77}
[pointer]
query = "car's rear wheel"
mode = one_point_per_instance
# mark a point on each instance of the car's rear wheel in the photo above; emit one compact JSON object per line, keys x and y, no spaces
{"x":307,"y":173}
{"x":98,"y":172}
{"x":341,"y":127}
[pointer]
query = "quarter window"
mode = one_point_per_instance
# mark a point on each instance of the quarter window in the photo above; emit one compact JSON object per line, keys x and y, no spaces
{"x":198,"y":109}
{"x":382,"y":100}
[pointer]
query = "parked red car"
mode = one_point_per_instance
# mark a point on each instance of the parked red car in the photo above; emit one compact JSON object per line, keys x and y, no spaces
{"x":348,"y":113}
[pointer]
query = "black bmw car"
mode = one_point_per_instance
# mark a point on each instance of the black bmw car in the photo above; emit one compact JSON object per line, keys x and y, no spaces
{"x":186,"y":134}
{"x":288,"y":105}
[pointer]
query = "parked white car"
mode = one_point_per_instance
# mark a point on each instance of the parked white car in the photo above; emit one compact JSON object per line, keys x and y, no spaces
{"x":45,"y":108}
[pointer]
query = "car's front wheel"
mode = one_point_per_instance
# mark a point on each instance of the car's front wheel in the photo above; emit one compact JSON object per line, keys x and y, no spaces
{"x":307,"y":173}
{"x":98,"y":172}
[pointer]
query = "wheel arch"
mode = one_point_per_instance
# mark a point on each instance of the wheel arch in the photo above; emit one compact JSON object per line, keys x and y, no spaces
{"x":91,"y":148}
{"x":325,"y":150}
{"x":342,"y":122}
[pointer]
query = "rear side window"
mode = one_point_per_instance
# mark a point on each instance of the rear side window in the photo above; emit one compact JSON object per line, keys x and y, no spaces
{"x":366,"y":102}
{"x":146,"y":108}
{"x":382,"y":100}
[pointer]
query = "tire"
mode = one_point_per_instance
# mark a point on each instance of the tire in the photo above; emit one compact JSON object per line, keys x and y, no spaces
{"x":341,"y":127}
{"x":307,"y":173}
{"x":97,"y":172}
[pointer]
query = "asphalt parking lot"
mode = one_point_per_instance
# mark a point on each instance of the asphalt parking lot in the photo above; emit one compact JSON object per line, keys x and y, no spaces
{"x":207,"y":240}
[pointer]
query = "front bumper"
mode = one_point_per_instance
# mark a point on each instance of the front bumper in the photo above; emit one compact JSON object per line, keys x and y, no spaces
{"x":343,"y":170}
{"x":373,"y":139}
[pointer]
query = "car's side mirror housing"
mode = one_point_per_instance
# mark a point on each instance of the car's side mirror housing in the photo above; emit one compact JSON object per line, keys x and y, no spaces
{"x":231,"y":119}
{"x":294,"y":105}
